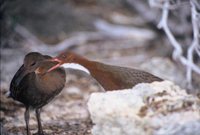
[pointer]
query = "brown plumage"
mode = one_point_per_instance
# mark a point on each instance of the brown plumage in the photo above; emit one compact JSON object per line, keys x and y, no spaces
{"x":33,"y":87}
{"x":109,"y":77}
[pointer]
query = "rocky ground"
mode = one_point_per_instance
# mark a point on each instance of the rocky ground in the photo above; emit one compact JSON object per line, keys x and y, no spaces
{"x":66,"y":114}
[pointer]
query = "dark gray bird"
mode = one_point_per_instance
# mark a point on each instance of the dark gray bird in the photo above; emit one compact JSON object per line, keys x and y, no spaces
{"x":34,"y":87}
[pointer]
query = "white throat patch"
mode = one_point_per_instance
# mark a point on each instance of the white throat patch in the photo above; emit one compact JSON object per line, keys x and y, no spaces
{"x":75,"y":66}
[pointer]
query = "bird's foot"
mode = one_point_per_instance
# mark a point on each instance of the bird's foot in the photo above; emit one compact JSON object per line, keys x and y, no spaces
{"x":29,"y":133}
{"x":40,"y":133}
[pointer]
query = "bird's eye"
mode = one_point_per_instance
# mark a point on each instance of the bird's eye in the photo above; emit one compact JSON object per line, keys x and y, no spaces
{"x":32,"y":64}
{"x":63,"y":56}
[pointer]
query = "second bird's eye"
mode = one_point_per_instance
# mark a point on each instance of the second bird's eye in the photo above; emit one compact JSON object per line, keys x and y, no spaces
{"x":63,"y":56}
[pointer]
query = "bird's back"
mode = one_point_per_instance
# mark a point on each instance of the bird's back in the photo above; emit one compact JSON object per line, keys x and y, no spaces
{"x":116,"y":78}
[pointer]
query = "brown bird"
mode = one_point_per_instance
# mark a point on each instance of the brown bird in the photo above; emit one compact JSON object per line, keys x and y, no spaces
{"x":109,"y":77}
{"x":34,"y":87}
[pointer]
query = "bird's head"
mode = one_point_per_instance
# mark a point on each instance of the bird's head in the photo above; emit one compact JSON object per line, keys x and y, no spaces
{"x":32,"y":61}
{"x":35,"y":62}
{"x":65,"y":57}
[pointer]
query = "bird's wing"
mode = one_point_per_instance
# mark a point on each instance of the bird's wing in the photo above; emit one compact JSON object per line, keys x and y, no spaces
{"x":133,"y":76}
{"x":47,"y":57}
{"x":124,"y":77}
{"x":14,"y":87}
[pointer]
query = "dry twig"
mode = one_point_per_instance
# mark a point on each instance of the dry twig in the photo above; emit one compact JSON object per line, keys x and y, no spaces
{"x":106,"y":31}
{"x":177,"y":53}
{"x":37,"y":45}
{"x":120,"y":31}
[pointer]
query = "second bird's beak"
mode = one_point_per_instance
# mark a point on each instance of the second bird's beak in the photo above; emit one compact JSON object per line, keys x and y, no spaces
{"x":57,"y":65}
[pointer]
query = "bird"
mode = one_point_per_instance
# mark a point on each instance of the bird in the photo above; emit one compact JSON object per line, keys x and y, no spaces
{"x":110,"y":77}
{"x":34,"y":87}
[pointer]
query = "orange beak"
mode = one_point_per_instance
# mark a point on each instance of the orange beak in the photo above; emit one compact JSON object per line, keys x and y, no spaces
{"x":57,"y":65}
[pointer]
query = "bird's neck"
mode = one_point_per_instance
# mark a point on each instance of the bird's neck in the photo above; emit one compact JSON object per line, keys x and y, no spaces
{"x":80,"y":63}
{"x":102,"y":73}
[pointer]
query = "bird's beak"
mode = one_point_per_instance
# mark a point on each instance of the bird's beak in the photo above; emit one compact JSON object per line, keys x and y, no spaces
{"x":57,"y":65}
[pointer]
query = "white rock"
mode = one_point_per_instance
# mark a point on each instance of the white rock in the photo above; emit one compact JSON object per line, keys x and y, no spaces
{"x":159,"y":108}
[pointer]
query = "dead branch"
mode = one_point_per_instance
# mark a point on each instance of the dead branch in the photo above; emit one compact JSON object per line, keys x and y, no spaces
{"x":152,"y":15}
{"x":34,"y":44}
{"x":163,"y":25}
{"x":195,"y":44}
{"x":122,"y":19}
{"x":120,"y":31}
{"x":177,"y":53}
{"x":106,"y":32}
{"x":31,"y":38}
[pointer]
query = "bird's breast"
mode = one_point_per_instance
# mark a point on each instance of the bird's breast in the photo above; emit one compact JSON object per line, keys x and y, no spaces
{"x":52,"y":81}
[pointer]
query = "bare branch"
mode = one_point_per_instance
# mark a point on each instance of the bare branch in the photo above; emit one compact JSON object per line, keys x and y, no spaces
{"x":120,"y":31}
{"x":163,"y":25}
{"x":31,"y":38}
{"x":177,"y":53}
{"x":106,"y":31}
{"x":195,"y":42}
{"x":34,"y":44}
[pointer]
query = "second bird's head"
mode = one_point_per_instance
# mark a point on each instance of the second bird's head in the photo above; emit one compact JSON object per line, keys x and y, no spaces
{"x":65,"y":57}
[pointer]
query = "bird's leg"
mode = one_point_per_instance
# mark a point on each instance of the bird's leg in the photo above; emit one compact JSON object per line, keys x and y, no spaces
{"x":40,"y":131}
{"x":26,"y":116}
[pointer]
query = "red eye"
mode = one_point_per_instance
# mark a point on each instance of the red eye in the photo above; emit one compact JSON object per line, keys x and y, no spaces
{"x":63,"y":56}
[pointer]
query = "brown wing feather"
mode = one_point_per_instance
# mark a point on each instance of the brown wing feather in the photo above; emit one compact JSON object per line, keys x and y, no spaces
{"x":121,"y":77}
